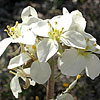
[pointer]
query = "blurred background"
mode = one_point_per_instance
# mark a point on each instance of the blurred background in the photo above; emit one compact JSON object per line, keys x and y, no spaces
{"x":10,"y":11}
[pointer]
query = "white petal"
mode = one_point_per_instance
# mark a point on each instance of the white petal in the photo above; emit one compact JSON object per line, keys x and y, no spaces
{"x":30,"y":20}
{"x":46,"y":49}
{"x":27,"y":71}
{"x":4,"y":44}
{"x":40,"y":72}
{"x":97,"y":47}
{"x":41,"y":28}
{"x":93,"y":66}
{"x":28,"y":38}
{"x":32,"y":82}
{"x":27,"y":12}
{"x":65,"y":11}
{"x":63,"y":21}
{"x":94,"y":48}
{"x":74,"y":39}
{"x":15,"y":86}
{"x":89,"y":36}
{"x":65,"y":96}
{"x":78,"y":21}
{"x":18,"y":60}
{"x":71,"y":63}
{"x":76,"y":27}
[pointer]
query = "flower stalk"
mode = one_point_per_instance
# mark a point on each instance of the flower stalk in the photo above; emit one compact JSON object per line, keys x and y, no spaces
{"x":50,"y":84}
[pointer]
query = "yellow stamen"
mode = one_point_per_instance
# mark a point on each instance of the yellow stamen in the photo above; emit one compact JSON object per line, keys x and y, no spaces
{"x":49,"y":24}
{"x":49,"y":33}
{"x":16,"y":23}
{"x":66,"y":85}
{"x":12,"y":29}
{"x":78,"y":77}
{"x":32,"y":55}
{"x":8,"y":27}
{"x":56,"y":23}
{"x":34,"y":47}
{"x":87,"y":39}
{"x":94,"y":44}
{"x":96,"y":50}
{"x":36,"y":98}
{"x":87,"y":48}
{"x":11,"y":33}
{"x":62,"y":28}
{"x":54,"y":33}
{"x":27,"y":47}
{"x":61,"y":31}
{"x":55,"y":30}
{"x":6,"y":30}
{"x":68,"y":89}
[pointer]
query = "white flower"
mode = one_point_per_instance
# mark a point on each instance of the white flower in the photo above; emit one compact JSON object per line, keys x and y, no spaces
{"x":21,"y":33}
{"x":18,"y":34}
{"x":56,"y":31}
{"x":78,"y":25}
{"x":14,"y":84}
{"x":80,"y":58}
{"x":74,"y":61}
{"x":40,"y":72}
{"x":26,"y":35}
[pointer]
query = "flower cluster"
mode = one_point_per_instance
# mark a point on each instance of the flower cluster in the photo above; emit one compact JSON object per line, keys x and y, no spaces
{"x":62,"y":38}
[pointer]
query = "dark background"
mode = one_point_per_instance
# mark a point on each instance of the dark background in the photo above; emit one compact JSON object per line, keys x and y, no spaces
{"x":10,"y":11}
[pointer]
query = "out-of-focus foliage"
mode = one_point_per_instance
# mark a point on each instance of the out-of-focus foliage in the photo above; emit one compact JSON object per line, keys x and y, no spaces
{"x":10,"y":11}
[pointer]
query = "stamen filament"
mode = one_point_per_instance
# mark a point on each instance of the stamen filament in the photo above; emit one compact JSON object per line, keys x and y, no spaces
{"x":12,"y":72}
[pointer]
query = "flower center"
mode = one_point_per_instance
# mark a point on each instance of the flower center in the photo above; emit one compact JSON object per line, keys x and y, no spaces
{"x":32,"y":51}
{"x":14,"y":31}
{"x":54,"y":33}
